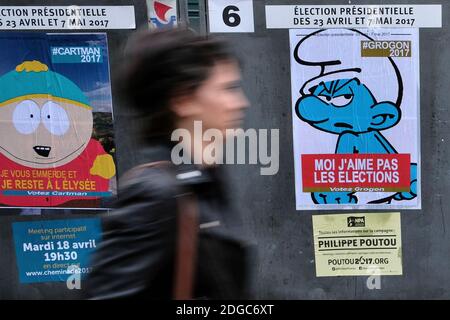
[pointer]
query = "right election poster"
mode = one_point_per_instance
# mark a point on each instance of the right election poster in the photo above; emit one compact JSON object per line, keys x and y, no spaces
{"x":355,"y":110}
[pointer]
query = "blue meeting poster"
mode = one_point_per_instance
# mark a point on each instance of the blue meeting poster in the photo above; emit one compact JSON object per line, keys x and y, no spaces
{"x":53,"y":250}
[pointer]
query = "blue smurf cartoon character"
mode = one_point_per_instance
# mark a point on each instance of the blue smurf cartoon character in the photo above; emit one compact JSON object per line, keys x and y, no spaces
{"x":346,"y":98}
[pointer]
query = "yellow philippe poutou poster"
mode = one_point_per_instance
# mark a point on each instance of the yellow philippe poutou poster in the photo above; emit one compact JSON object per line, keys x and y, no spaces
{"x":357,"y":244}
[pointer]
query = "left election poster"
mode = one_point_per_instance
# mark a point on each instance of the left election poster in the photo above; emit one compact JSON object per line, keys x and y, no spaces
{"x":56,"y":122}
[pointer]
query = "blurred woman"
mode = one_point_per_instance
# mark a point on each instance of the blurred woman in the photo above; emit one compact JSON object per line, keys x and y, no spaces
{"x":175,"y":79}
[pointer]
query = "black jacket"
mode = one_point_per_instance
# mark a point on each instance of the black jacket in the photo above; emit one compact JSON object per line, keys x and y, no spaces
{"x":135,"y":258}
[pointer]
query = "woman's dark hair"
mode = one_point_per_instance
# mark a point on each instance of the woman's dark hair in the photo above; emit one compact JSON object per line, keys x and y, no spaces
{"x":161,"y":65}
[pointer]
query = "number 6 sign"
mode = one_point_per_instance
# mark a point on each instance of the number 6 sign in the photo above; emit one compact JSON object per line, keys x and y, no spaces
{"x":230,"y":15}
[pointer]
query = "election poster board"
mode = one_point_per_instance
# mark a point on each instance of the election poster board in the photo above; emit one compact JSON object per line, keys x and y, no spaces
{"x":53,"y":250}
{"x":355,"y":111}
{"x":56,"y":123}
{"x":354,"y":16}
{"x":357,"y":244}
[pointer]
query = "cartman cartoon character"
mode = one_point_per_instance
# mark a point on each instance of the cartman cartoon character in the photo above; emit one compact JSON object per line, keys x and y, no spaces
{"x":46,"y":149}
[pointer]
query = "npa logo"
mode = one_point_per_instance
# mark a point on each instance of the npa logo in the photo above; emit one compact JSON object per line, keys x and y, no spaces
{"x":356,"y":221}
{"x":159,"y":13}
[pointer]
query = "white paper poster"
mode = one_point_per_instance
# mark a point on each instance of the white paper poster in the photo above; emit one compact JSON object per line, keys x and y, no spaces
{"x":230,"y":16}
{"x":355,"y":111}
{"x":354,"y":16}
{"x":358,"y":244}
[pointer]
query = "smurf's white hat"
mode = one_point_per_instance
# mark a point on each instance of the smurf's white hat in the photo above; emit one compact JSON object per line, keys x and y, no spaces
{"x":333,"y":54}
